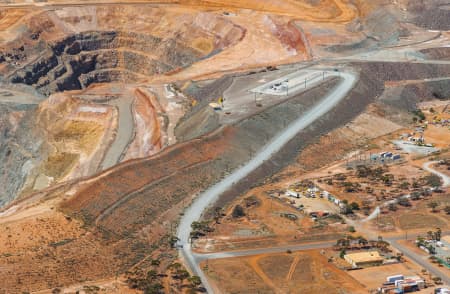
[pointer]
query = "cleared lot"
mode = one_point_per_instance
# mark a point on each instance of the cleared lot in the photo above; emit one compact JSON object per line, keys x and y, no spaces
{"x":298,"y":272}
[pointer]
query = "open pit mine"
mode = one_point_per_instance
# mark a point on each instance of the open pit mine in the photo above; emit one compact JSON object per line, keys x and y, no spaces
{"x":144,"y":144}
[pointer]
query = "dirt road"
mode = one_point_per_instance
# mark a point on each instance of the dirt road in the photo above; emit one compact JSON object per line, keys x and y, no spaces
{"x":210,"y":196}
{"x":444,"y":177}
{"x":426,"y":166}
{"x":270,"y":250}
{"x":125,"y":131}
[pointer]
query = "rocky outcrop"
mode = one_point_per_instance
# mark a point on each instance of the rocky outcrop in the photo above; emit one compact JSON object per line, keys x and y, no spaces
{"x":20,"y":146}
{"x":79,"y":60}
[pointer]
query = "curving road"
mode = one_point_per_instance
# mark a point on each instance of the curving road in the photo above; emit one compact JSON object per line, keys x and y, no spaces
{"x":444,"y":177}
{"x":210,"y":196}
{"x":125,"y":131}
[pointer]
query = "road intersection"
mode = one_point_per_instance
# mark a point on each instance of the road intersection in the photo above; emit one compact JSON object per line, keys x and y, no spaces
{"x":210,"y":196}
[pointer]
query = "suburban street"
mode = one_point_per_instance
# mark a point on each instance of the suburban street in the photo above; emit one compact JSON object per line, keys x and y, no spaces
{"x":210,"y":196}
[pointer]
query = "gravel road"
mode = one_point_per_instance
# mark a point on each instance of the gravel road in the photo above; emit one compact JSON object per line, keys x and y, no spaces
{"x":210,"y":196}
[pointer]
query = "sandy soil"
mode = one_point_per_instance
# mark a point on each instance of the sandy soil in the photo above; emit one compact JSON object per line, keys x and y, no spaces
{"x":298,"y":272}
{"x":373,"y":277}
{"x":265,"y":225}
{"x":246,"y":54}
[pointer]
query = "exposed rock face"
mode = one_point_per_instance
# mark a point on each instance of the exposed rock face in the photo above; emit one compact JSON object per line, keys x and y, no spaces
{"x":55,"y":52}
{"x":20,"y":146}
{"x":79,"y":60}
{"x":67,"y":136}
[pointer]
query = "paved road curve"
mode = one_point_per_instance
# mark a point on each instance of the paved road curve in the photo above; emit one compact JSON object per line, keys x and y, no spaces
{"x":125,"y":131}
{"x":210,"y":196}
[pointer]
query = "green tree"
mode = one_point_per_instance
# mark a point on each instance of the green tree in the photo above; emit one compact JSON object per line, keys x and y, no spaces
{"x":433,"y":205}
{"x":195,"y":281}
{"x":392,"y":207}
{"x":404,"y":202}
{"x":151,"y":275}
{"x":182,"y":274}
{"x":404,"y":185}
{"x":362,"y":240}
{"x":217,"y":214}
{"x":354,"y":206}
{"x":415,"y":195}
{"x":172,"y":242}
{"x":154,"y":288}
{"x":438,"y":234}
{"x":447,"y":209}
{"x":433,"y":180}
{"x":175,"y":266}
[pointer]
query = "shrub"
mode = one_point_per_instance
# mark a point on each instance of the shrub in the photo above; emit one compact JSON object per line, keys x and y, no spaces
{"x":392,"y":207}
{"x":433,"y":205}
{"x":419,"y":114}
{"x":354,"y":206}
{"x":415,"y":196}
{"x":433,"y":180}
{"x":238,"y":211}
{"x":447,"y":209}
{"x":404,"y":185}
{"x":404,"y":202}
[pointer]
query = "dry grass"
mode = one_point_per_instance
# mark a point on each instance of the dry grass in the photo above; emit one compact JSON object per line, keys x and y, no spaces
{"x":299,"y":272}
{"x":420,"y":221}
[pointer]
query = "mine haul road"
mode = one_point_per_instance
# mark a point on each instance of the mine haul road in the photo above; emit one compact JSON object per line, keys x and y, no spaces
{"x":210,"y":196}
